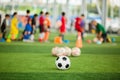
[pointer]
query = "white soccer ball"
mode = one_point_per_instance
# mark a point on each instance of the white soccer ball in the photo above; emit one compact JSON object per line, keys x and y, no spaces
{"x":62,"y":62}
{"x":60,"y":51}
{"x":67,"y":51}
{"x":32,"y":37}
{"x":98,"y":42}
{"x":55,"y":50}
{"x":76,"y":51}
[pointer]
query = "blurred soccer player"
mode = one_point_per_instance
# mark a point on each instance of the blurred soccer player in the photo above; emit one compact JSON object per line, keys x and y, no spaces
{"x":27,"y":15}
{"x":41,"y":26}
{"x":63,"y":25}
{"x":79,"y":30}
{"x":82,"y":25}
{"x":28,"y":31}
{"x":100,"y":31}
{"x":14,"y":27}
{"x":78,"y":27}
{"x":47,"y":24}
{"x":26,"y":20}
{"x":34,"y":21}
{"x":5,"y":27}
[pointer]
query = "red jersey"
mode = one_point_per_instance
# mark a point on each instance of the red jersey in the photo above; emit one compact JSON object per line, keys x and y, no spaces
{"x":25,"y":19}
{"x":63,"y":25}
{"x":41,"y":20}
{"x":77,"y":24}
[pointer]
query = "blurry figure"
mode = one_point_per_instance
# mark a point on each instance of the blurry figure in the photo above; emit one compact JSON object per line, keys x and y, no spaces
{"x":63,"y":26}
{"x":100,"y":31}
{"x":47,"y":24}
{"x":34,"y":21}
{"x":14,"y":27}
{"x":78,"y":27}
{"x":27,"y":17}
{"x":41,"y":26}
{"x":82,"y":25}
{"x":28,"y":31}
{"x":5,"y":27}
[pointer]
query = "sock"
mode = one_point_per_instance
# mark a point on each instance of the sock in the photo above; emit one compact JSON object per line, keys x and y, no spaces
{"x":32,"y":37}
{"x":61,"y":35}
{"x":42,"y":35}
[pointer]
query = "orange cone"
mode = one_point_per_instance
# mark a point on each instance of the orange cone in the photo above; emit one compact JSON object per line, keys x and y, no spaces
{"x":79,"y":41}
{"x":0,"y":35}
{"x":58,"y":40}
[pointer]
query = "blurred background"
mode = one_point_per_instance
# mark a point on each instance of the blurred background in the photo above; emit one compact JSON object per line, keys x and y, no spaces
{"x":106,"y":12}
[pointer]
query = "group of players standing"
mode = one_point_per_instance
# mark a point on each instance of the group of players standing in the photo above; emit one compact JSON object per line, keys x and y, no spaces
{"x":29,"y":30}
{"x":30,"y":26}
{"x":44,"y":26}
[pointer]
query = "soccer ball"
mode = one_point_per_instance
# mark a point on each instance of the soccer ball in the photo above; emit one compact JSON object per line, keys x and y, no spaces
{"x":54,"y":50}
{"x":89,"y":41}
{"x":32,"y":37}
{"x":76,"y":51}
{"x":60,"y":51}
{"x":98,"y":42}
{"x":62,"y":62}
{"x":67,"y":51}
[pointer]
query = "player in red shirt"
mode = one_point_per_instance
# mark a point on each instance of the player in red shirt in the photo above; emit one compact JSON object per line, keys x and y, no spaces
{"x":79,"y":29}
{"x":41,"y":26}
{"x":80,"y":24}
{"x":27,"y":16}
{"x":77,"y":24}
{"x":63,"y":25}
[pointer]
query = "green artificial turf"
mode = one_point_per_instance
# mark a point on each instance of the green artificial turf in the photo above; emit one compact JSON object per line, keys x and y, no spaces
{"x":33,"y":61}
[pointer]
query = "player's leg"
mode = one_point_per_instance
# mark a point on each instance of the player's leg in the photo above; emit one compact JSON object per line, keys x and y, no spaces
{"x":48,"y":33}
{"x":62,"y":31}
{"x":4,"y":34}
{"x":62,"y":35}
{"x":104,"y":36}
{"x":41,"y":33}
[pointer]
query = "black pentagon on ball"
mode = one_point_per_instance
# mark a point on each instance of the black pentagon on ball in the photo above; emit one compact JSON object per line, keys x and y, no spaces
{"x":64,"y":58}
{"x":59,"y":65}
{"x":67,"y":66}
{"x":57,"y":58}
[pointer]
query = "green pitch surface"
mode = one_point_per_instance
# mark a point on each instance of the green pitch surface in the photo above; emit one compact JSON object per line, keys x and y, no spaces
{"x":33,"y":61}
